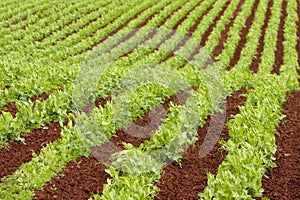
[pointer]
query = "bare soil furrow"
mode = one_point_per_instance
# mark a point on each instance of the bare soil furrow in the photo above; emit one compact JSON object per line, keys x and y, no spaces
{"x":78,"y":180}
{"x":112,"y":33}
{"x":117,"y":30}
{"x":224,"y":34}
{"x":25,"y":18}
{"x":17,"y":152}
{"x":208,"y":32}
{"x":11,"y":108}
{"x":86,"y":175}
{"x":17,"y":22}
{"x":143,"y":121}
{"x":132,"y":33}
{"x":196,"y":24}
{"x":213,"y":25}
{"x":185,"y":181}
{"x":284,"y":180}
{"x":189,"y":33}
{"x":179,"y":22}
{"x":280,"y":40}
{"x":260,"y":48}
{"x":152,"y":33}
{"x":243,"y":37}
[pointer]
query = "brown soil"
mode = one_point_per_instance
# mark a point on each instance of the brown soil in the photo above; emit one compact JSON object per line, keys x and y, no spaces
{"x":260,"y":48}
{"x":208,"y":32}
{"x":190,"y":31}
{"x":88,"y":23}
{"x":196,"y":24}
{"x":118,"y":29}
{"x":143,"y":121}
{"x":284,"y":180}
{"x":280,"y":40}
{"x":85,"y":25}
{"x":170,"y":15}
{"x":113,"y":32}
{"x":41,"y":97}
{"x":186,"y":16}
{"x":102,"y":101}
{"x":178,"y":24}
{"x":224,"y":34}
{"x":170,"y":34}
{"x":23,"y":19}
{"x":117,"y":140}
{"x":79,"y":180}
{"x":6,"y":87}
{"x":213,"y":25}
{"x":17,"y":22}
{"x":154,"y":31}
{"x":132,"y":33}
{"x":243,"y":36}
{"x":18,"y":153}
{"x":93,"y":33}
{"x":122,"y":136}
{"x":10,"y":107}
{"x":186,"y":181}
{"x":85,"y":176}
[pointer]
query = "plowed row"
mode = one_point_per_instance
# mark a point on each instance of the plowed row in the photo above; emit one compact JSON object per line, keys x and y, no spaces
{"x":45,"y":44}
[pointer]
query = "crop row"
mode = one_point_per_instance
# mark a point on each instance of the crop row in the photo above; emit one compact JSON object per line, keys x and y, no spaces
{"x":252,"y":142}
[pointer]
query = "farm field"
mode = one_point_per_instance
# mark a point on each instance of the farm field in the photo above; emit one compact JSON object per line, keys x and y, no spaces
{"x":150,"y":99}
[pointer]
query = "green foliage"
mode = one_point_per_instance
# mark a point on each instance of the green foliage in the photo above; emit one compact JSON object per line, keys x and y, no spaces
{"x":39,"y":56}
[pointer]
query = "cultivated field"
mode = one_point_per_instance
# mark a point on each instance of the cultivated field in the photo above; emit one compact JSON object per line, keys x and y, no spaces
{"x":149,"y":99}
